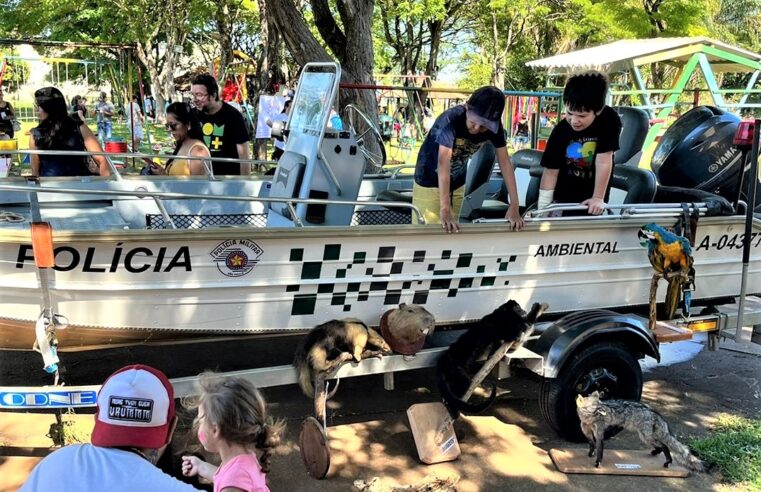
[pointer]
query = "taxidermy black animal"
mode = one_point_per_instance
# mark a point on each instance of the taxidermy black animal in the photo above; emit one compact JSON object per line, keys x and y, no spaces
{"x":599,"y":415}
{"x":456,"y":367}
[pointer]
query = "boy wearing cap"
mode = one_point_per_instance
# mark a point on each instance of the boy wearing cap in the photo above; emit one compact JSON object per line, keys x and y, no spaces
{"x":442,"y":161}
{"x":134,"y":424}
{"x":578,"y":160}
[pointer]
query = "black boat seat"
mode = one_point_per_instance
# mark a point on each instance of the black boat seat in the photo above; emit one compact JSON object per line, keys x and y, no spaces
{"x":479,"y":171}
{"x":639,"y":184}
{"x":635,"y":124}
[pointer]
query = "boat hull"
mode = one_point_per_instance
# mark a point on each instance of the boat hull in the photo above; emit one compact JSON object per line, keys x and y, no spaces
{"x":131,"y":286}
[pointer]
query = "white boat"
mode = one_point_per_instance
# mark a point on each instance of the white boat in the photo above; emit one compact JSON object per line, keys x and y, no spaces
{"x":248,"y":256}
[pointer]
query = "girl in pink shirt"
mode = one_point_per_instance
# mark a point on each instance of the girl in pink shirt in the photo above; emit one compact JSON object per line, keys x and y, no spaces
{"x":232,"y":422}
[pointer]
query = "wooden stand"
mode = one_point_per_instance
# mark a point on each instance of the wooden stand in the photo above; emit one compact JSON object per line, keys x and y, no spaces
{"x":315,"y":451}
{"x":615,"y":462}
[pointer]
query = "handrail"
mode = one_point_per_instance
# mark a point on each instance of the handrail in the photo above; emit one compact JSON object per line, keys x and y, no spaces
{"x":399,"y":169}
{"x":180,"y":196}
{"x":626,"y":209}
{"x":136,"y":155}
{"x":161,"y":207}
{"x":114,"y":172}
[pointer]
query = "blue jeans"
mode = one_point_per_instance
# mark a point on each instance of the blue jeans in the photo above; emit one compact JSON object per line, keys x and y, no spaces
{"x":104,"y":130}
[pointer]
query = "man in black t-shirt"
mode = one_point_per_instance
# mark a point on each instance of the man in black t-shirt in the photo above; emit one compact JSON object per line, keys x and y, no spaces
{"x":578,"y":159}
{"x":224,"y":130}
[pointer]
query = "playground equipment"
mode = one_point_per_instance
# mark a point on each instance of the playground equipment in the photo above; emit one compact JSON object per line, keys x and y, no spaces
{"x":693,"y":57}
{"x":86,"y":77}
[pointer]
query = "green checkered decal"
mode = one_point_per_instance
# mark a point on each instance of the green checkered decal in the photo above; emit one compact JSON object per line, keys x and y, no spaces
{"x":382,"y":265}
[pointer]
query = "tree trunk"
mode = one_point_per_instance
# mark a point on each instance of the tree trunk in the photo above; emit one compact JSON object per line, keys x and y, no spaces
{"x":301,"y":43}
{"x":224,"y":31}
{"x":356,"y":62}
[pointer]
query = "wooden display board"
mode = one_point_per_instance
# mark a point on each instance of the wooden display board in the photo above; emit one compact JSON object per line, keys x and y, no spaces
{"x":616,"y":462}
{"x":425,"y":419}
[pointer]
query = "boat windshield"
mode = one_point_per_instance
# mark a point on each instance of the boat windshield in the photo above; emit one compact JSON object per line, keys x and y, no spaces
{"x":312,"y":103}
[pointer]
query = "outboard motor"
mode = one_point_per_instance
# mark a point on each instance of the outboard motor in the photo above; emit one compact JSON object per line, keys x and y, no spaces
{"x":697,"y":152}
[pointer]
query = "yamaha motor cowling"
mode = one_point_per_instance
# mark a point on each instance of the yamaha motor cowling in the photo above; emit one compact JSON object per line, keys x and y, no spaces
{"x":697,"y":152}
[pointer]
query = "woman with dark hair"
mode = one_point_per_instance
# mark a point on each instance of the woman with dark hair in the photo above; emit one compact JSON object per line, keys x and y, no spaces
{"x":59,"y":131}
{"x":183,"y":125}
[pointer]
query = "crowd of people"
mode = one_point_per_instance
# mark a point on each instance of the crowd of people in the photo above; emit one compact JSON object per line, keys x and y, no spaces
{"x":209,"y":128}
{"x":135,"y":422}
{"x":577,"y":161}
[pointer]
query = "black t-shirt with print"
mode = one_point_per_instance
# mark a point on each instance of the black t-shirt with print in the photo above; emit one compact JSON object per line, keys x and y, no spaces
{"x":450,"y":130}
{"x":574,"y":153}
{"x":222,"y":132}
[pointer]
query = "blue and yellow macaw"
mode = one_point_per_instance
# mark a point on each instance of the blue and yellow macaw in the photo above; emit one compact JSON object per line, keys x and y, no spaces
{"x":670,"y":253}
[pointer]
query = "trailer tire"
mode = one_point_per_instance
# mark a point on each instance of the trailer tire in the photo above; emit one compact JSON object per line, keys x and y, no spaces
{"x":606,"y":366}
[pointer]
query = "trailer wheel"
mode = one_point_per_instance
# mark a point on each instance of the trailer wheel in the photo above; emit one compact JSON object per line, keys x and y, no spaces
{"x":608,"y":367}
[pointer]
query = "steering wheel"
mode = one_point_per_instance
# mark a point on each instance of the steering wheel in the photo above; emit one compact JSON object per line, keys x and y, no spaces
{"x":369,"y":140}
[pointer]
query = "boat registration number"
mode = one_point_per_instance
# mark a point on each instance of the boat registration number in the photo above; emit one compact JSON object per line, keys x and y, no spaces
{"x":728,"y":241}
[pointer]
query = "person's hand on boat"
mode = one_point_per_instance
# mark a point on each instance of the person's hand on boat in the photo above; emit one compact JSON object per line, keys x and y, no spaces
{"x":513,"y":216}
{"x":595,"y":206}
{"x":156,"y":169}
{"x":448,"y":221}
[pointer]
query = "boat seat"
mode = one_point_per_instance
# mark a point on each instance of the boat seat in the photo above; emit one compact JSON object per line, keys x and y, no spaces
{"x":639,"y":184}
{"x":526,"y":159}
{"x":635,"y":124}
{"x":480,"y":169}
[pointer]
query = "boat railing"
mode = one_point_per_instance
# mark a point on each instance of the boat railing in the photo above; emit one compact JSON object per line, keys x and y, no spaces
{"x":140,"y":156}
{"x":639,"y":210}
{"x":166,"y":195}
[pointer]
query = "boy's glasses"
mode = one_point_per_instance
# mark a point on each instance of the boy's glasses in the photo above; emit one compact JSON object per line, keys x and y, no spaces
{"x":172,"y":126}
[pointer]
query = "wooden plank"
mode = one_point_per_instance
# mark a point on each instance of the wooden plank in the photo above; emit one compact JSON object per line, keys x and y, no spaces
{"x":665,"y":332}
{"x":616,"y":462}
{"x":425,"y":419}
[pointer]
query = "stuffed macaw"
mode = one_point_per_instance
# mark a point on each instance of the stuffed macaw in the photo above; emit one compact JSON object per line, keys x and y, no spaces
{"x":670,"y":253}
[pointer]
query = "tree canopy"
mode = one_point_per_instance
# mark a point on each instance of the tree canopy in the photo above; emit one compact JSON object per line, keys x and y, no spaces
{"x":486,"y":41}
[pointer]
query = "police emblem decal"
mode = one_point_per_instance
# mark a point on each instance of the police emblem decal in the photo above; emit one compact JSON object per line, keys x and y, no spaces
{"x":236,"y":257}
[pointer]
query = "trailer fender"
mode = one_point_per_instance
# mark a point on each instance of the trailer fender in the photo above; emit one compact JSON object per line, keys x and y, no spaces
{"x":577,"y":330}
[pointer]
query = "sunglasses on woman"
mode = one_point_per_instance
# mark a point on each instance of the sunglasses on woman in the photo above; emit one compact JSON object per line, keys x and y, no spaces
{"x":172,"y":126}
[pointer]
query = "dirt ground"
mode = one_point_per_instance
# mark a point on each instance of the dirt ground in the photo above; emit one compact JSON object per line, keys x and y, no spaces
{"x":505,"y":448}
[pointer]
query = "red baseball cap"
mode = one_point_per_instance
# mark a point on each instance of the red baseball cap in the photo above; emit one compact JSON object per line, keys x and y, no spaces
{"x":135,"y":408}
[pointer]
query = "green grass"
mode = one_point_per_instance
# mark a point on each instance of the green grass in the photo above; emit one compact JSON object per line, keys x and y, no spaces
{"x":735,"y":449}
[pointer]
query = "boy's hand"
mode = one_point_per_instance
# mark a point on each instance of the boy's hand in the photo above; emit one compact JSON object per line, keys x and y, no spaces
{"x":514,"y":217}
{"x":595,"y":206}
{"x":448,"y":221}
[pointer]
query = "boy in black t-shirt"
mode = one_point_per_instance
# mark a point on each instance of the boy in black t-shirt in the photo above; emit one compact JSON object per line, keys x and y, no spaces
{"x":578,"y":160}
{"x":442,"y":161}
